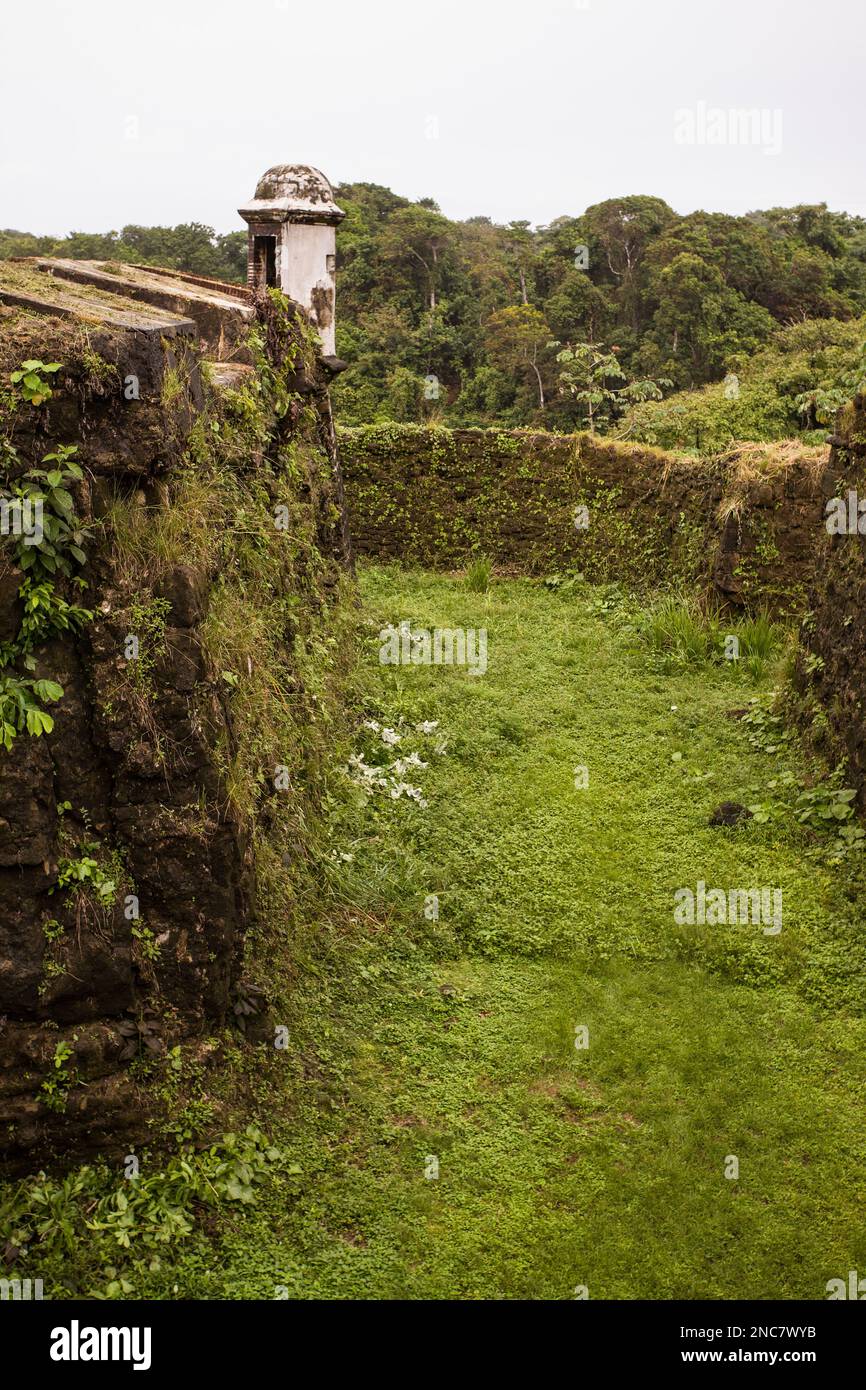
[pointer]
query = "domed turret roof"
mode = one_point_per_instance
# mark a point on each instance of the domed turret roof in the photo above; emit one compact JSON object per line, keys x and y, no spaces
{"x":294,"y":193}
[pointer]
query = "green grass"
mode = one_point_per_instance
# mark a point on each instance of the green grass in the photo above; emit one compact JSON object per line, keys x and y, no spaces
{"x":414,"y":1036}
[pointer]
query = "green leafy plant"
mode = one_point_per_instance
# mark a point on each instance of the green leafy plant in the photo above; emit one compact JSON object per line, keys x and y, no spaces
{"x":55,"y":1088}
{"x":52,"y":930}
{"x":21,"y":710}
{"x":564,"y":583}
{"x":46,"y":614}
{"x":86,"y":872}
{"x":31,"y":380}
{"x":63,"y":536}
{"x":147,"y":942}
{"x":147,"y":620}
{"x":819,"y":404}
{"x":766,"y":726}
{"x":827,"y":809}
{"x":812,"y":663}
{"x":49,"y":1216}
{"x":588,"y":374}
{"x":825,"y":802}
{"x":57,"y":550}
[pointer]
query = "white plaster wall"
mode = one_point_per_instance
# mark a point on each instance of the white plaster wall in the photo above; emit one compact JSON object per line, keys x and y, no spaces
{"x":303,"y":265}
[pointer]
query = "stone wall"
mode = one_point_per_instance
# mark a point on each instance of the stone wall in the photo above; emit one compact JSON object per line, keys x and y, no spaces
{"x":829,"y":683}
{"x":743,"y":525}
{"x":146,"y":773}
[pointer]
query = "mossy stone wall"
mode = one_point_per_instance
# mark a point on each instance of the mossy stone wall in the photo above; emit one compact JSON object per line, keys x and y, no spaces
{"x":829,"y":683}
{"x":437,"y":497}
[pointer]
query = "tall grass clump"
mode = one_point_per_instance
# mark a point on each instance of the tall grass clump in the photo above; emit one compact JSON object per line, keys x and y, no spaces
{"x":683,"y":630}
{"x":478,"y":575}
{"x":680,"y":632}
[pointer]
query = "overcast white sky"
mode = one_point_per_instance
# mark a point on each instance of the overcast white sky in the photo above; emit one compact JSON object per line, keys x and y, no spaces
{"x":168,"y":111}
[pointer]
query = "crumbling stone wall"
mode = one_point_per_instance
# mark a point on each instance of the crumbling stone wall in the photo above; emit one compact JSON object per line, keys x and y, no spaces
{"x":133,"y":774}
{"x":829,"y":681}
{"x":743,"y":525}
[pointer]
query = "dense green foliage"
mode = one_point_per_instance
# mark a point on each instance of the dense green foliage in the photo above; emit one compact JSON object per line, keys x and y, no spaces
{"x":792,"y":386}
{"x":459,"y":321}
{"x":190,"y":246}
{"x":480,"y":306}
{"x":560,"y":505}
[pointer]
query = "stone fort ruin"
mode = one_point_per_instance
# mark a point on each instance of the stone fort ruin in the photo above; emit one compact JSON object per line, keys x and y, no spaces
{"x":157,"y":379}
{"x":211,"y":485}
{"x":292,"y":242}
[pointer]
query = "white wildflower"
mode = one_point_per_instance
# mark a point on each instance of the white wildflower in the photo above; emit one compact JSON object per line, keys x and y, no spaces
{"x":402,"y":764}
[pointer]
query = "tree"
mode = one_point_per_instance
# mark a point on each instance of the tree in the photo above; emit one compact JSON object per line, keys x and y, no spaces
{"x":404,"y":396}
{"x":419,"y":235}
{"x":92,"y":246}
{"x":190,"y":246}
{"x":742,"y":252}
{"x":621,"y":230}
{"x":521,"y":253}
{"x":579,"y":309}
{"x":517,"y":340}
{"x":483,"y":250}
{"x":700,"y":322}
{"x":14,"y":243}
{"x":588,"y":371}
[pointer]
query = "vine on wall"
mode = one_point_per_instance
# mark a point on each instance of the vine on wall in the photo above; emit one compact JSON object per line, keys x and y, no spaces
{"x":46,"y":544}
